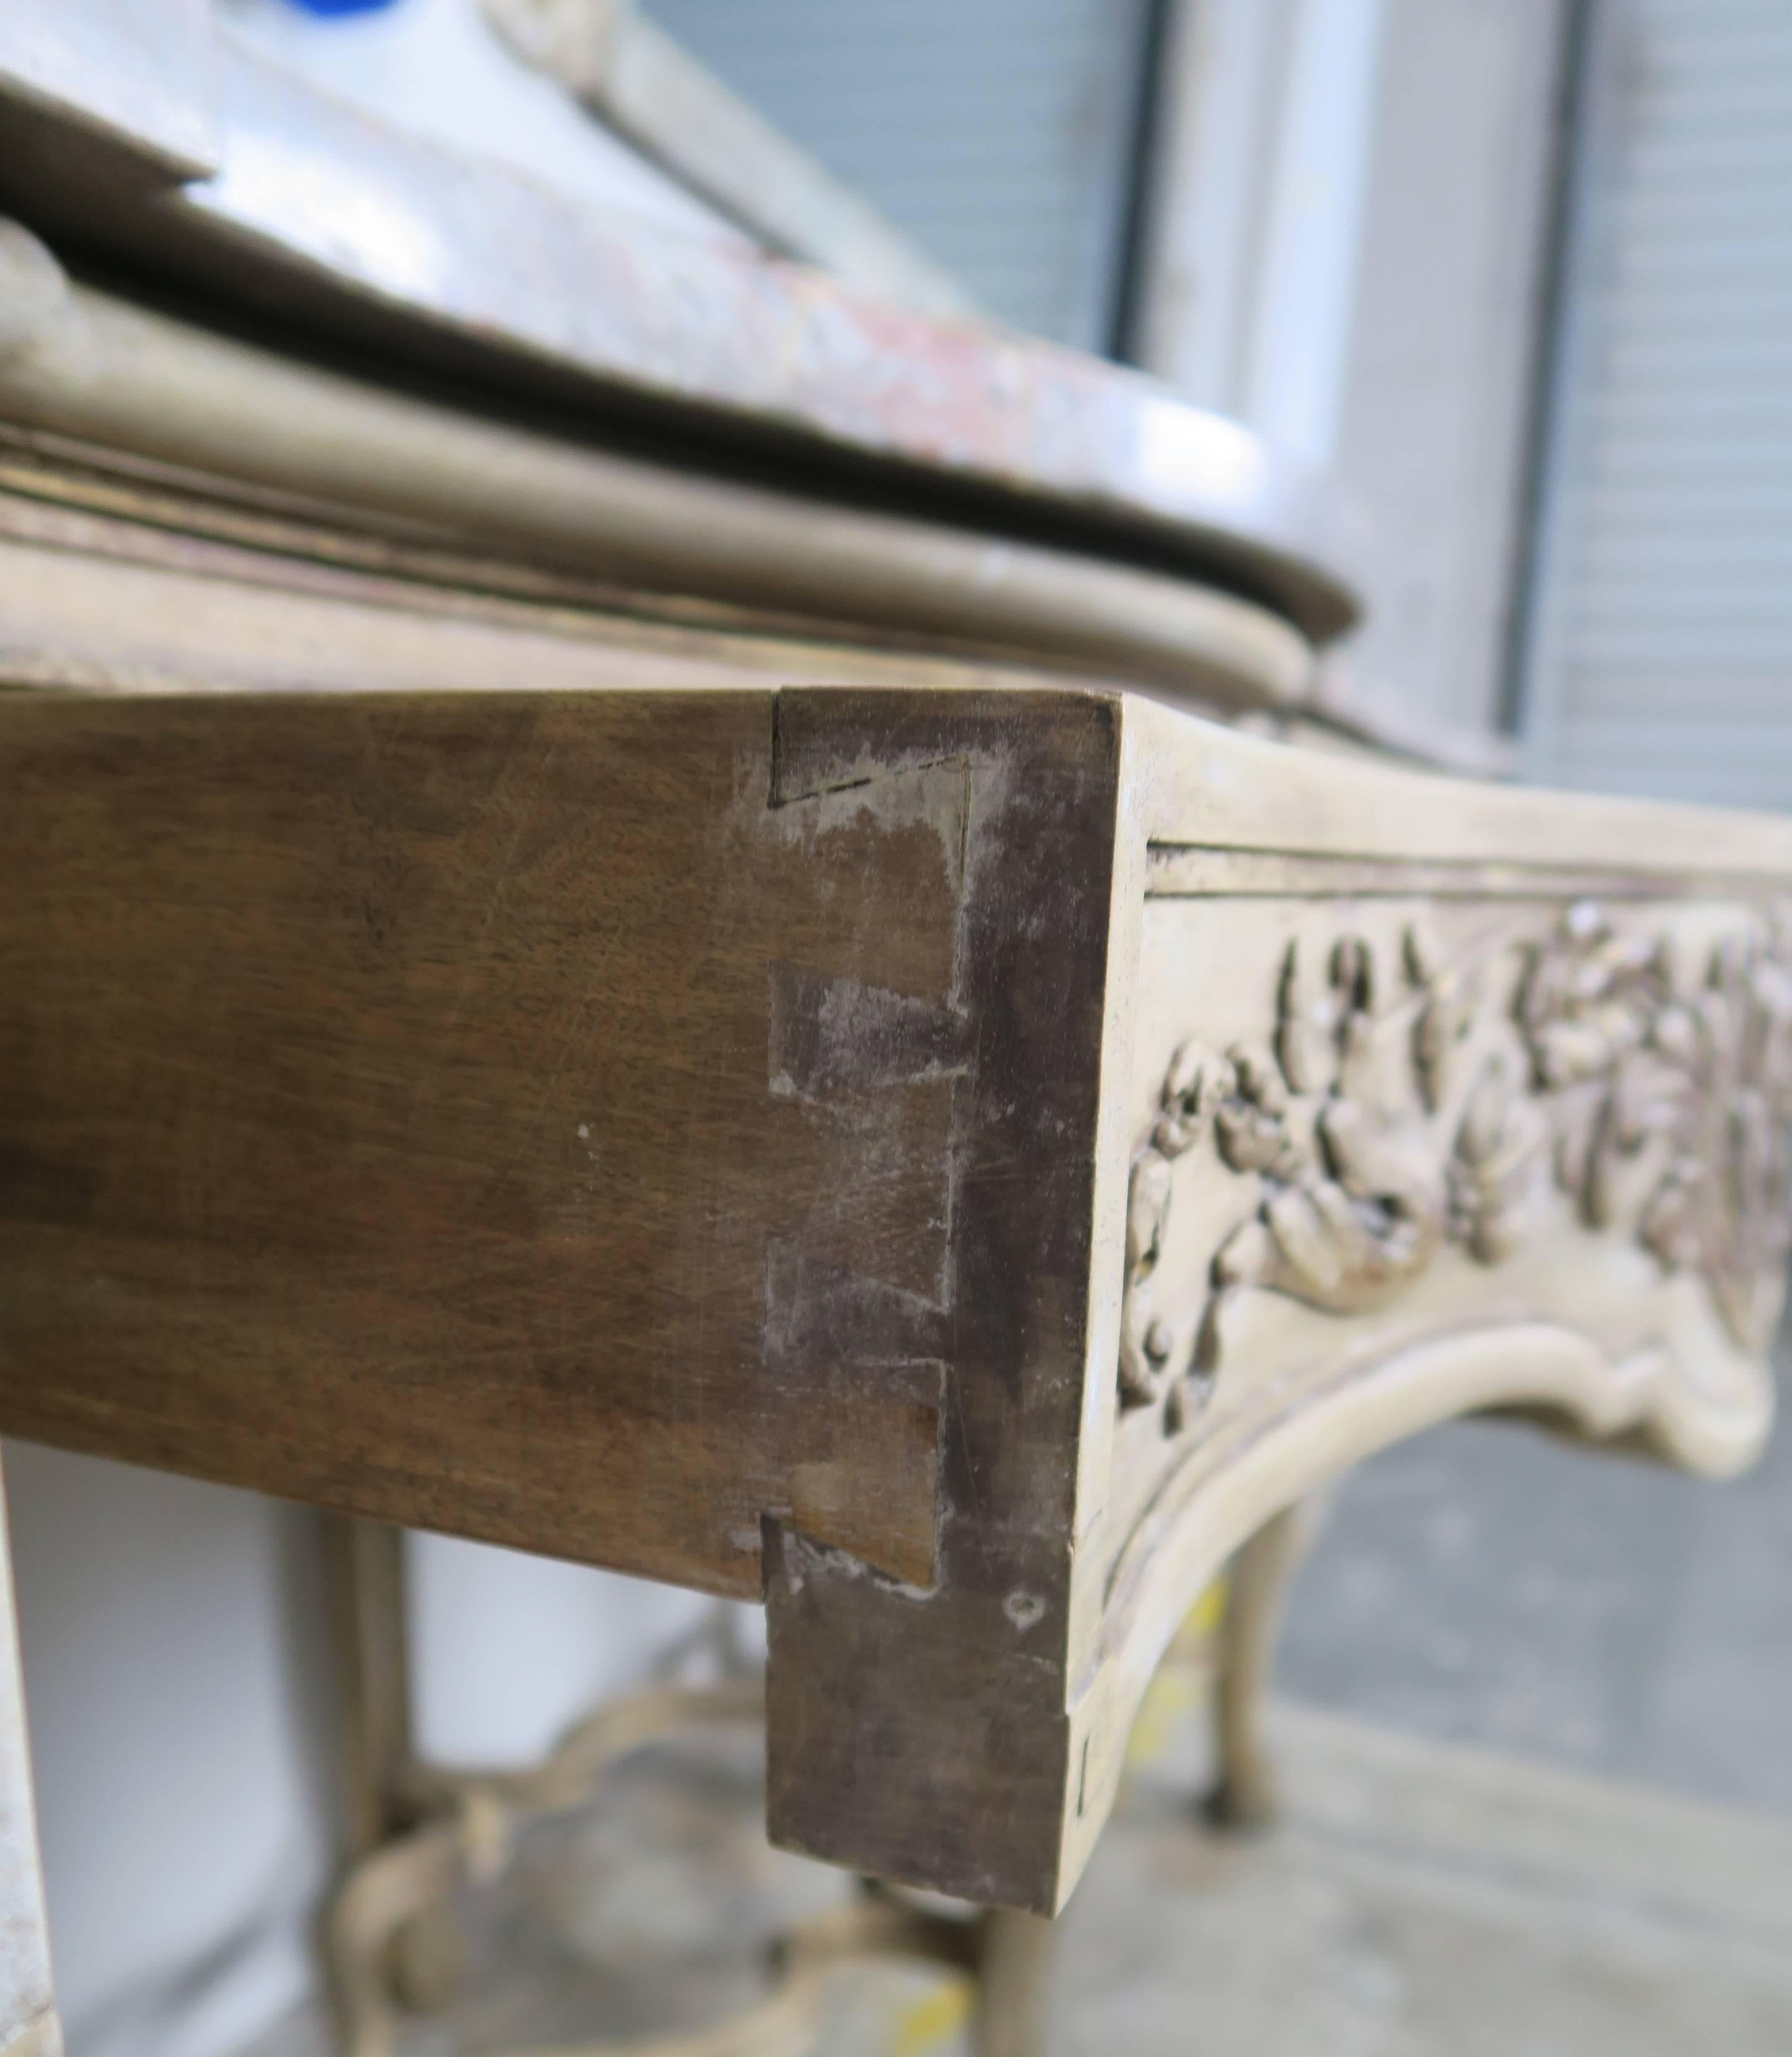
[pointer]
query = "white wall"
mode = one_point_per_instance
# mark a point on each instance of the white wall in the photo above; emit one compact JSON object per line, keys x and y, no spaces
{"x":167,"y":1631}
{"x":508,"y":1649}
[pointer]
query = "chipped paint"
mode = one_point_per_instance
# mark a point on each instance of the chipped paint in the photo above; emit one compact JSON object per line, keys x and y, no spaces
{"x":1025,"y":1610}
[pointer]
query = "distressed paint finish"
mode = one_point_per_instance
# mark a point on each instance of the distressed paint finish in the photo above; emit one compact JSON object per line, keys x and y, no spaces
{"x":1404,"y":1107}
{"x":763,"y":344}
{"x":453,"y":256}
{"x":93,"y":388}
{"x":438,"y":1121}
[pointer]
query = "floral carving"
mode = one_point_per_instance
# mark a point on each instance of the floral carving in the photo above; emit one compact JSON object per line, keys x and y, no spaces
{"x":1354,"y":1205}
{"x":1378,"y":1126}
{"x":1332,"y":1120}
{"x":1672,"y":1110}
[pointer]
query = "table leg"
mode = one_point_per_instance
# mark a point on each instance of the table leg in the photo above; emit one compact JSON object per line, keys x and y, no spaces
{"x":29,"y":2026}
{"x":1243,"y":1796}
{"x":417,"y":1833}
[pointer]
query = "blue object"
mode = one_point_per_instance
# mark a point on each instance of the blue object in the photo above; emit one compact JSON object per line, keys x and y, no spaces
{"x":327,"y":7}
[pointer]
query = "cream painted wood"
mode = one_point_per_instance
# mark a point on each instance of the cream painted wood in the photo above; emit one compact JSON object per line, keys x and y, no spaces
{"x":1088,"y":1130}
{"x":1417,"y":1127}
{"x":28,"y":2022}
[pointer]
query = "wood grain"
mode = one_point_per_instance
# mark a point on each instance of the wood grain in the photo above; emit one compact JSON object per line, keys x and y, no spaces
{"x":393,"y":1117}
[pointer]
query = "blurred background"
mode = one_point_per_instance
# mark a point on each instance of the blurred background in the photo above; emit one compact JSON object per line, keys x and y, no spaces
{"x":1519,"y":273}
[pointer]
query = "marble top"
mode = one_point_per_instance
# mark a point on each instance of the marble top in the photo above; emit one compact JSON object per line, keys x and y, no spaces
{"x":203,"y":159}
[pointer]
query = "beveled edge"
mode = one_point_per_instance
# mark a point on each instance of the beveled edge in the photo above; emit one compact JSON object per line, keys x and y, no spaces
{"x":96,"y":382}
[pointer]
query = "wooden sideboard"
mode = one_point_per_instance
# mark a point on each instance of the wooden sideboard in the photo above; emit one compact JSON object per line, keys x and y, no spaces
{"x":800,"y":992}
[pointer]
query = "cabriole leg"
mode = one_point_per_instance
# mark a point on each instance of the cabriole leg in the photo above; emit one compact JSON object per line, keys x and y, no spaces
{"x":1244,"y":1796}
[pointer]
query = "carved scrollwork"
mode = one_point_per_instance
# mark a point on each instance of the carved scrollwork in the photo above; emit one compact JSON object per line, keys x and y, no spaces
{"x":1377,"y":1127}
